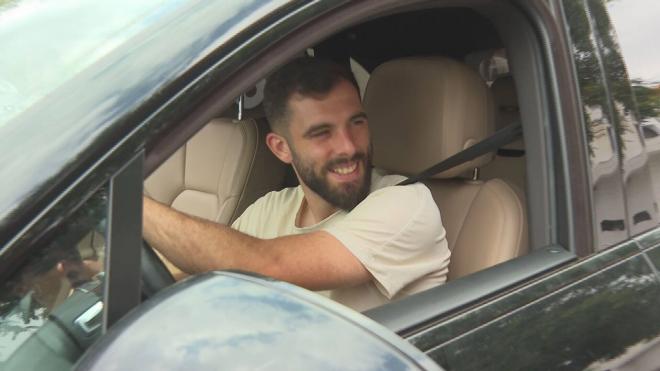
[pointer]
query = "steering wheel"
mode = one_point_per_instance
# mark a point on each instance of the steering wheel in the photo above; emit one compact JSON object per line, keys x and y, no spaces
{"x":155,"y":275}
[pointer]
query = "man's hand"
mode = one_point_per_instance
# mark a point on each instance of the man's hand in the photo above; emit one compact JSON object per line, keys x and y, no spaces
{"x":316,"y":261}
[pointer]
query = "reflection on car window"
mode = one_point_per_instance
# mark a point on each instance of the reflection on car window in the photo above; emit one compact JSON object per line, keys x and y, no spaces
{"x":54,"y":45}
{"x":56,"y":294}
{"x":649,"y":133}
{"x":634,"y":21}
{"x":602,"y":130}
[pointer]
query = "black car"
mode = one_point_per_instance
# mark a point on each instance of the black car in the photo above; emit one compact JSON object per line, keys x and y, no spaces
{"x":554,"y":234}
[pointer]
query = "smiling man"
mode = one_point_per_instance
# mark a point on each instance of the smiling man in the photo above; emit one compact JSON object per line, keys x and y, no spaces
{"x":346,"y":228}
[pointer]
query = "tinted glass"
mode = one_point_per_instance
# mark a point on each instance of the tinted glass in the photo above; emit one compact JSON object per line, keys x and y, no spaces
{"x":641,"y":214}
{"x":51,"y":309}
{"x":636,"y":24}
{"x":602,"y":322}
{"x":602,"y":128}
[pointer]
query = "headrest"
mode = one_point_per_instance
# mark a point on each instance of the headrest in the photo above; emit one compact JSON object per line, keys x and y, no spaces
{"x":424,"y":110}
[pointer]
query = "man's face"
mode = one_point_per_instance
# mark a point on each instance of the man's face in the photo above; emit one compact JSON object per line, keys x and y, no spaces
{"x":329,"y":142}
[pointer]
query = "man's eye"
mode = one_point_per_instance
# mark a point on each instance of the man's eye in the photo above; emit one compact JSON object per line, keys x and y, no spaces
{"x":359,"y":122}
{"x":318,"y":134}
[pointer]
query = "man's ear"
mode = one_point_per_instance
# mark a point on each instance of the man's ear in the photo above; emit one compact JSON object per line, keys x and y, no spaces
{"x":279,"y":146}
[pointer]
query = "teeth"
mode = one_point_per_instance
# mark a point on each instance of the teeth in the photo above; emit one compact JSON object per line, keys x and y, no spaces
{"x":345,"y":170}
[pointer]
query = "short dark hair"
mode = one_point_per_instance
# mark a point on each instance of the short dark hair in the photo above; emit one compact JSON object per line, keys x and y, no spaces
{"x":306,"y":76}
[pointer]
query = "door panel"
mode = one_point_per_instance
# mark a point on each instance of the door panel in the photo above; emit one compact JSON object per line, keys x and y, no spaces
{"x":453,"y":327}
{"x":654,"y":255}
{"x":649,"y":240}
{"x":591,"y":322}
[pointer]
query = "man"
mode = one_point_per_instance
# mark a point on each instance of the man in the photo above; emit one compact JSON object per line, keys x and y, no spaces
{"x":362,"y":238}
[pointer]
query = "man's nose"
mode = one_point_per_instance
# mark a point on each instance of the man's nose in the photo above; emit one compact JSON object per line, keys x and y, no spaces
{"x":345,"y":143}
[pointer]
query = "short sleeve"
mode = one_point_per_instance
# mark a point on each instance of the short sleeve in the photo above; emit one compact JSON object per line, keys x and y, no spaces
{"x":397,"y":234}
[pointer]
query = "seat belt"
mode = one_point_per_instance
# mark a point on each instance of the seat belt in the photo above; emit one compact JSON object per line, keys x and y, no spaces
{"x":501,"y":138}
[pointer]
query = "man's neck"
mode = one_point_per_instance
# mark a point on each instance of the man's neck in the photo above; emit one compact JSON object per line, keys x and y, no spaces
{"x":313,"y":208}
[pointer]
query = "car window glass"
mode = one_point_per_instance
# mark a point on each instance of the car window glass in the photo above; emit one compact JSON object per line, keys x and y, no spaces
{"x":602,"y":128}
{"x":635,"y":22}
{"x":51,"y":308}
{"x":54,"y":46}
{"x":641,"y":213}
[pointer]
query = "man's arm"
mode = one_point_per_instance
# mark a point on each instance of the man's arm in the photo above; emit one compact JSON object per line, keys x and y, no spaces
{"x":317,"y":261}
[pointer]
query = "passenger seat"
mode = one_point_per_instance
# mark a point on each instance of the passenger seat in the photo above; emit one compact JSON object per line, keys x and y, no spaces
{"x":424,"y":110}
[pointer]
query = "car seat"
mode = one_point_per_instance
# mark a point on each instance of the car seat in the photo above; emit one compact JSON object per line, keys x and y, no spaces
{"x":423,"y":110}
{"x":219,"y":172}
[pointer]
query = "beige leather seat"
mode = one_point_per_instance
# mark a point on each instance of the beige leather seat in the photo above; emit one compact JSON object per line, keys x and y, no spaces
{"x":219,"y":172}
{"x":423,"y":110}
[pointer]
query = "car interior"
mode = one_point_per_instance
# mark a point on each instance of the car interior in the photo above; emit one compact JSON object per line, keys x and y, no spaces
{"x":434,"y":82}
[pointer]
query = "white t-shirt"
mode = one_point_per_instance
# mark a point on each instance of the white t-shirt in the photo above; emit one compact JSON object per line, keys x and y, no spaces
{"x":396,"y":233}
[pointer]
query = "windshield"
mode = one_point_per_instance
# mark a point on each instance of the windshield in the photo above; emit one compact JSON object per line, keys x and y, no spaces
{"x":43,"y":43}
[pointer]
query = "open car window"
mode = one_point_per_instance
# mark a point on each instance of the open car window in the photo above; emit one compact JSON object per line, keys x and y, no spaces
{"x":194,"y":179}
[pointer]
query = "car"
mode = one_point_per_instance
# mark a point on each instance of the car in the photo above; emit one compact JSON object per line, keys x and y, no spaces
{"x":554,"y":235}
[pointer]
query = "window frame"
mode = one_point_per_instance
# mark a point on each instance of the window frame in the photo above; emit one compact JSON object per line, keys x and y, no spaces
{"x":123,"y":291}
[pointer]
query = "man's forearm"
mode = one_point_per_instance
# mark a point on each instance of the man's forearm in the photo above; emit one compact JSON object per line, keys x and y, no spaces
{"x":192,"y":244}
{"x":313,"y":260}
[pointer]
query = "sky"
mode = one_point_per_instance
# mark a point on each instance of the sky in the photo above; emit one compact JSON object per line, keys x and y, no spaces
{"x":637,"y":23}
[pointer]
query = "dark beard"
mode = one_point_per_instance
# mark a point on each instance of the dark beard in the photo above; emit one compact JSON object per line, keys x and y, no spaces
{"x":346,"y":198}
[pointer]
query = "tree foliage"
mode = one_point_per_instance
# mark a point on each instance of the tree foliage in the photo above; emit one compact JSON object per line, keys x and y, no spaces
{"x":602,"y":74}
{"x":648,"y":100}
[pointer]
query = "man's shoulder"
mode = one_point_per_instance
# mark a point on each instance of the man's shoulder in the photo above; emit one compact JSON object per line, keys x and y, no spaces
{"x":391,"y":202}
{"x":381,"y":179}
{"x":386,"y":184}
{"x":408,"y":197}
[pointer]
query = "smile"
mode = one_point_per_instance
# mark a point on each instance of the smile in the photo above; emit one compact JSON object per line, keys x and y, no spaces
{"x":345,"y":168}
